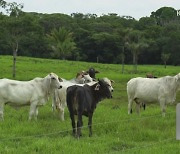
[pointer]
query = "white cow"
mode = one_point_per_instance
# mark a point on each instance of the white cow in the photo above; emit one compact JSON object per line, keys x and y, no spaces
{"x":33,"y":93}
{"x":162,"y":90}
{"x":59,"y":101}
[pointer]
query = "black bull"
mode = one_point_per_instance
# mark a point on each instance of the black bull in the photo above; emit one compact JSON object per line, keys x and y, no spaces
{"x":82,"y":100}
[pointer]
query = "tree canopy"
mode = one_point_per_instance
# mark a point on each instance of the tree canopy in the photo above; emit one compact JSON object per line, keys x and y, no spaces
{"x":91,"y":36}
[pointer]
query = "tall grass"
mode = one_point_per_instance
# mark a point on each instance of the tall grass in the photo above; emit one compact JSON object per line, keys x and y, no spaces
{"x":114,"y":131}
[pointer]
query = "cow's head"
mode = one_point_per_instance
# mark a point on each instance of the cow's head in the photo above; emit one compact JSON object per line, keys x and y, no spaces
{"x":54,"y":81}
{"x":177,"y":79}
{"x":92,"y":72}
{"x":109,"y":82}
{"x":83,"y":77}
{"x":87,"y":78}
{"x":103,"y":88}
{"x":149,"y":75}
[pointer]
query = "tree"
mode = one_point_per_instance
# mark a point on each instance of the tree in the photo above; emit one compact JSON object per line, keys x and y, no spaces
{"x":165,"y":58}
{"x":106,"y":46}
{"x":3,"y":4}
{"x":146,"y":22}
{"x":125,"y":38}
{"x":14,"y":27}
{"x":54,"y":21}
{"x":136,"y":44}
{"x":164,"y":15}
{"x":15,"y":11}
{"x":61,"y":41}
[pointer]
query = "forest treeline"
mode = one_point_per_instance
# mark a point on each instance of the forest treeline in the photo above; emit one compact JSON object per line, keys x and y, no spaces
{"x":87,"y":37}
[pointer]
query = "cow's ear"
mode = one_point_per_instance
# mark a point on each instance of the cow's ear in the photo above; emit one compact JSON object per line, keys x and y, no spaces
{"x":97,"y":87}
{"x":99,"y":81}
{"x":112,"y":81}
{"x":84,"y":72}
{"x":177,"y":77}
{"x":51,"y":75}
{"x":60,"y":80}
{"x":77,"y":75}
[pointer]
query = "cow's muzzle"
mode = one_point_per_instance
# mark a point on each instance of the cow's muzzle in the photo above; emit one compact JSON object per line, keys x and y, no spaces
{"x":110,"y":96}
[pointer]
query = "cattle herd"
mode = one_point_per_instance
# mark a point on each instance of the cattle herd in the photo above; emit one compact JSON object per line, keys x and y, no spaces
{"x":82,"y":94}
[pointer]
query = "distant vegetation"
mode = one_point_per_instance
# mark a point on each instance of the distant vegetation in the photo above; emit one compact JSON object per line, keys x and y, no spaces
{"x":107,"y":39}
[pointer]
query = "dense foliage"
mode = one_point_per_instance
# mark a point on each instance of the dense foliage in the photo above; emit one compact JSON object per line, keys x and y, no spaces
{"x":97,"y":38}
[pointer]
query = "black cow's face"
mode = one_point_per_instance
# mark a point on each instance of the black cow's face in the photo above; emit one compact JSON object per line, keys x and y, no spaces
{"x":92,"y":72}
{"x":104,"y":88}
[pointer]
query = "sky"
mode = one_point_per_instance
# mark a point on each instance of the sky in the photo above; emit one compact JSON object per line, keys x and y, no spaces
{"x":134,"y":8}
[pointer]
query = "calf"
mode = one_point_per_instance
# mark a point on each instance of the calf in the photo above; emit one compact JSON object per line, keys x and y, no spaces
{"x":82,"y":100}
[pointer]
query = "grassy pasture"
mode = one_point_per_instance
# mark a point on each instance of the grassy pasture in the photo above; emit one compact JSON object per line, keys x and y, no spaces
{"x":114,"y":131}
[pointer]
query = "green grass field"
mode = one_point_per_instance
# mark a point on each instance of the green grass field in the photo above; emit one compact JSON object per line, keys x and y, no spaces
{"x":114,"y":131}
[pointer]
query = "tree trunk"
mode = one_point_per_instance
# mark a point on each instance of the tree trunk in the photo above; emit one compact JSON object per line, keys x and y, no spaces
{"x":123,"y":58}
{"x":14,"y":64}
{"x":134,"y":62}
{"x":165,"y":64}
{"x":97,"y":59}
{"x":14,"y":60}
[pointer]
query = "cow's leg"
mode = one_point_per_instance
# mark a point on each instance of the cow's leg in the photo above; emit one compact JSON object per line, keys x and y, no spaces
{"x":36,"y":113}
{"x":79,"y":125}
{"x":54,"y":102}
{"x":1,"y":112}
{"x":130,"y":101}
{"x":60,"y":112}
{"x":73,"y":122}
{"x":144,"y":105}
{"x":90,"y":124}
{"x":138,"y":108}
{"x":138,"y":104}
{"x":163,"y":107}
{"x":32,"y":111}
{"x":58,"y":104}
{"x":63,"y":105}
